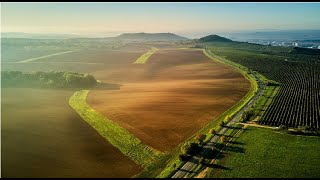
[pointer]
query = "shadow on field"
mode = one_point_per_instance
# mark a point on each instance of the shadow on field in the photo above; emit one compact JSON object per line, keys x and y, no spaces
{"x":225,"y":135}
{"x":107,"y":86}
{"x":231,"y":127}
{"x":185,"y":170}
{"x":216,"y":166}
{"x":235,"y":142}
{"x":236,"y":149}
{"x":212,"y":153}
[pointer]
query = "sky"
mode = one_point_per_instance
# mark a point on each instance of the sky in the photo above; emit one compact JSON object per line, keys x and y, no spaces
{"x":189,"y":19}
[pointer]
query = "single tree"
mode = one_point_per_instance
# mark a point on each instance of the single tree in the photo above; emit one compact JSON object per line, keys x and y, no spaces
{"x":189,"y":148}
{"x":221,"y":124}
{"x":222,"y":138}
{"x":200,"y":138}
{"x":306,"y":128}
{"x":174,"y":165}
{"x":227,"y":118}
{"x":183,"y":157}
{"x":283,"y":127}
{"x":202,"y":160}
{"x":212,"y":131}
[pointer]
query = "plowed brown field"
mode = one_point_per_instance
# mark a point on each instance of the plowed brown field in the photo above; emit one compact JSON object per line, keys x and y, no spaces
{"x":42,"y":136}
{"x":169,"y":98}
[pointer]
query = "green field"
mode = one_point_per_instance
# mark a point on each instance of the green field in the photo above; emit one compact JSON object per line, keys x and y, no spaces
{"x":260,"y":152}
{"x":116,"y":135}
{"x":144,"y":57}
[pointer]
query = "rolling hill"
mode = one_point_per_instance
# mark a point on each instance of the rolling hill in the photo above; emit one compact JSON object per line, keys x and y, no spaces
{"x":214,"y":38}
{"x":150,"y":37}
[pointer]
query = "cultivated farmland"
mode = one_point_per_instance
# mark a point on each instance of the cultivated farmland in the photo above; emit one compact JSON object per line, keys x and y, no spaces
{"x":60,"y":157}
{"x":170,"y":97}
{"x":84,"y":60}
{"x":42,"y":136}
{"x":298,"y":99}
{"x":162,"y":102}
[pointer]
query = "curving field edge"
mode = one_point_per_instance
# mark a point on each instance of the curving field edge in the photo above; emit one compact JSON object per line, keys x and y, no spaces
{"x":144,"y":57}
{"x":127,"y":143}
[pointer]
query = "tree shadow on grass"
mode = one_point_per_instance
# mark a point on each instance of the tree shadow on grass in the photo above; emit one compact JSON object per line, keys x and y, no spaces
{"x":232,"y":127}
{"x":236,"y":149}
{"x":225,"y":135}
{"x":213,"y":154}
{"x":217,"y":166}
{"x":238,"y":143}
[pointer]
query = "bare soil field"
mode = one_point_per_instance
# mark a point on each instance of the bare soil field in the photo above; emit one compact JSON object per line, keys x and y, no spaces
{"x":16,"y":54}
{"x":134,"y":47}
{"x":164,"y":45}
{"x":98,"y":56}
{"x":42,"y":136}
{"x":169,"y":98}
{"x":83,"y":61}
{"x":54,"y":66}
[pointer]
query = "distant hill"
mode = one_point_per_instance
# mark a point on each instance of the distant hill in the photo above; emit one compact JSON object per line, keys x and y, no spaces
{"x":299,"y":50}
{"x":150,"y":37}
{"x":214,"y":38}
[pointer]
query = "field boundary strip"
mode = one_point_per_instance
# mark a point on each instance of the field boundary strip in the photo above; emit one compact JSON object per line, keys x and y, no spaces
{"x":144,"y":57}
{"x":42,"y":57}
{"x":112,"y":132}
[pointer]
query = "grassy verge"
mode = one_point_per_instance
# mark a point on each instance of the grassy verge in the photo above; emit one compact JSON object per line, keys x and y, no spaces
{"x":144,"y":57}
{"x":115,"y":134}
{"x":170,"y":169}
{"x":261,"y":152}
{"x":264,"y":101}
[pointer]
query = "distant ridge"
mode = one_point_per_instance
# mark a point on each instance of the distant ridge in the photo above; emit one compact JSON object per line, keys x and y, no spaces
{"x":150,"y":37}
{"x":214,"y":38}
{"x":170,"y":37}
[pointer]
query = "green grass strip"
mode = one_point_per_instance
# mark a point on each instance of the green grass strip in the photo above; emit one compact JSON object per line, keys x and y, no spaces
{"x":144,"y":57}
{"x":115,"y":134}
{"x":42,"y":57}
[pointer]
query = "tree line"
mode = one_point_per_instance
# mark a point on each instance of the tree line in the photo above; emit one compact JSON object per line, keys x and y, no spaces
{"x":52,"y":79}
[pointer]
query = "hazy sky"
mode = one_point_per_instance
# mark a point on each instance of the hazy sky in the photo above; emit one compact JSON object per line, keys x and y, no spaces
{"x":192,"y":19}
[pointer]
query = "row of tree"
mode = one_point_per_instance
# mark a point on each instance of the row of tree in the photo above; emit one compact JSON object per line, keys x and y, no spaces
{"x":54,"y":79}
{"x":192,"y":148}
